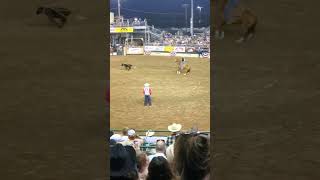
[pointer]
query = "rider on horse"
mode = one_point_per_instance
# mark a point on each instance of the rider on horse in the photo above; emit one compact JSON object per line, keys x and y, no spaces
{"x":182,"y":63}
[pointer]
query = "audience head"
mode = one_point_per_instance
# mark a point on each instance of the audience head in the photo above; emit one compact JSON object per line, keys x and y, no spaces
{"x":192,"y":156}
{"x":131,"y":134}
{"x":125,"y":131}
{"x":142,"y":161}
{"x":161,"y":146}
{"x":170,"y":153}
{"x":159,"y":169}
{"x":111,"y":133}
{"x":121,"y":164}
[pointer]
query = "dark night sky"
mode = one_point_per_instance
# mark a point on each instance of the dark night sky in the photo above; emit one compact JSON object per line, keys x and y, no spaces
{"x":175,"y":13}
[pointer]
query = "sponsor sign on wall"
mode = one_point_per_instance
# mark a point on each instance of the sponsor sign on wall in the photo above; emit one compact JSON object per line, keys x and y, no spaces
{"x":121,"y":29}
{"x":159,"y":54}
{"x":165,"y":48}
{"x":190,"y":49}
{"x":135,"y":51}
{"x":180,"y":49}
{"x":205,"y":55}
{"x":168,"y":48}
{"x":176,"y":54}
{"x":154,"y":48}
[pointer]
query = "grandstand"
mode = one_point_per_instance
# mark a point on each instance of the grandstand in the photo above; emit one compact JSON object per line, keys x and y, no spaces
{"x":136,"y":36}
{"x":122,"y":29}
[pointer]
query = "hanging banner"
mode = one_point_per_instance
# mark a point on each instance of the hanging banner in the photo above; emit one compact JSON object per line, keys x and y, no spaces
{"x":121,"y":29}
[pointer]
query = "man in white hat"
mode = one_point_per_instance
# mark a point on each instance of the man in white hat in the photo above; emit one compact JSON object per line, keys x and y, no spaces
{"x":174,"y":128}
{"x":147,"y":94}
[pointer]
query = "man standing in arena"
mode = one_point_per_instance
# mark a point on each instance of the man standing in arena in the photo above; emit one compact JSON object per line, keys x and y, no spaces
{"x":147,"y":94}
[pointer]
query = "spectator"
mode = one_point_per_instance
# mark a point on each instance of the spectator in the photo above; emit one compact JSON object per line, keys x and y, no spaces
{"x":174,"y":129}
{"x":159,"y":169}
{"x":121,"y":137}
{"x":170,"y":153}
{"x":133,"y":140}
{"x":142,"y":165}
{"x":125,"y":131}
{"x":131,"y":137}
{"x":149,"y":137}
{"x":160,"y":150}
{"x":192,"y":156}
{"x":121,"y":165}
{"x":111,"y":133}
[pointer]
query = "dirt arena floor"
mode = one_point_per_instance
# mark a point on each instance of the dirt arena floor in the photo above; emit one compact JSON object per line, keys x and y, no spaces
{"x":183,"y":99}
{"x":266,"y":96}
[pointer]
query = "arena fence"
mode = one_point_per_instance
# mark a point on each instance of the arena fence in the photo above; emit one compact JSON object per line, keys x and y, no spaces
{"x":181,"y":51}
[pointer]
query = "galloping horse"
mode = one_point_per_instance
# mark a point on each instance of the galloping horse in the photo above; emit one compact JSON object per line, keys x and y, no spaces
{"x":245,"y":17}
{"x":182,"y":66}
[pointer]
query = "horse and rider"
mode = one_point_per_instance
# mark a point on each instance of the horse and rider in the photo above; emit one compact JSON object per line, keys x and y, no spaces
{"x":232,"y":12}
{"x":183,"y":66}
{"x":56,"y":15}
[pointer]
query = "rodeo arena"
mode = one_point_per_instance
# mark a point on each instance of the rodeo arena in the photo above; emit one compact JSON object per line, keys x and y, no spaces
{"x":159,"y":100}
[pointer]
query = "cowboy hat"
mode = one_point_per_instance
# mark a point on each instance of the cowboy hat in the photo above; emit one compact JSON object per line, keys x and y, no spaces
{"x":150,"y":133}
{"x":131,"y":132}
{"x":174,"y":127}
{"x":146,"y":84}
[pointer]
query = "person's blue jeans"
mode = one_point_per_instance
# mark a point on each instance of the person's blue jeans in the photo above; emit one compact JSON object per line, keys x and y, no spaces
{"x":229,"y":8}
{"x":147,"y":100}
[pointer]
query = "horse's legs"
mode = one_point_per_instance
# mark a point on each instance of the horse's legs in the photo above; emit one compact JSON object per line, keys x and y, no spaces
{"x":247,"y":32}
{"x":219,"y":18}
{"x":251,"y":30}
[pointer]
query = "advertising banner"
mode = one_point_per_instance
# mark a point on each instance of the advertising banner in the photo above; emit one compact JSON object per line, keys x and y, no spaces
{"x":121,"y":29}
{"x":159,"y":54}
{"x":124,"y":29}
{"x":154,"y":48}
{"x":205,"y":54}
{"x":135,"y":51}
{"x":174,"y":54}
{"x":180,"y":49}
{"x":168,"y":48}
{"x":190,"y":49}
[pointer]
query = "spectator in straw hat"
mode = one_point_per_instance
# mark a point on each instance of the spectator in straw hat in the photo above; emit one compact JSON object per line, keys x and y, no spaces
{"x":174,"y":129}
{"x":147,"y":94}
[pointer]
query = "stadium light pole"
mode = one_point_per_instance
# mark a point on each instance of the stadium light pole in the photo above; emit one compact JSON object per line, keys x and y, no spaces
{"x":199,"y":13}
{"x":119,"y":8}
{"x":185,"y":6}
{"x":191,"y":19}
